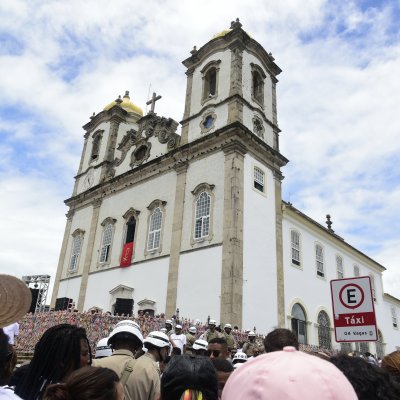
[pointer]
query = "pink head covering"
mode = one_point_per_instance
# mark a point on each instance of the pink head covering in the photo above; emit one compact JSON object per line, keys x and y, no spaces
{"x":289,"y":375}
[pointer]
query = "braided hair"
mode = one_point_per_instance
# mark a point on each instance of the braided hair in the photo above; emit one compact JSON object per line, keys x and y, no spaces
{"x":56,"y":354}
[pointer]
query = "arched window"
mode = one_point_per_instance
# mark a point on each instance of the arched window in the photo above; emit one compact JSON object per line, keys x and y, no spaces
{"x":153,"y":241}
{"x":210,"y":80}
{"x":394,"y":317}
{"x":76,"y":250}
{"x":356,"y":270}
{"x":339,"y":267}
{"x":257,"y":84}
{"x":130,"y":230}
{"x":299,"y":323}
{"x":106,"y":243}
{"x":380,"y":351}
{"x":96,"y":145}
{"x":295,"y":246}
{"x":319,"y":260}
{"x":202,"y":223}
{"x":324,"y":330}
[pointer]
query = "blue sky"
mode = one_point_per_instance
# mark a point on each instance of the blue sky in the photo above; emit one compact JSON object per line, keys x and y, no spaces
{"x":338,"y":101}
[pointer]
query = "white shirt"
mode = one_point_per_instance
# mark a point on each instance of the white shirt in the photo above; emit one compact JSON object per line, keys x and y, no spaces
{"x":179,"y":340}
{"x":8,"y":394}
{"x":11,"y":331}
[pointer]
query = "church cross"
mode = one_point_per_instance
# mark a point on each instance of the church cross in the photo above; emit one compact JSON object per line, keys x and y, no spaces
{"x":153,"y":101}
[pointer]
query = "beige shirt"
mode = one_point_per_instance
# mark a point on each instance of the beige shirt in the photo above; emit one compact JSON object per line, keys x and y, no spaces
{"x":146,"y":378}
{"x":230,"y":340}
{"x":117,"y":362}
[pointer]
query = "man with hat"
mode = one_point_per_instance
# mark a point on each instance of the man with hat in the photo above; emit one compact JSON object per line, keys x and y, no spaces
{"x":103,"y":349}
{"x":168,"y":327}
{"x":178,"y":339}
{"x":125,"y":339}
{"x":211,"y":332}
{"x":190,"y":338}
{"x":232,"y":346}
{"x":250,"y":346}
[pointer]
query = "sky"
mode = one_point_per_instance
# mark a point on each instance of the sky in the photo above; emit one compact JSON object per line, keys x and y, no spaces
{"x":338,"y":105}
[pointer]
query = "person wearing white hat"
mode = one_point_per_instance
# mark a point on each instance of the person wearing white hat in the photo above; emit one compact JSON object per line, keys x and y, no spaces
{"x":239,"y":359}
{"x":168,"y":327}
{"x":190,"y":338}
{"x":250,"y":346}
{"x":146,"y":373}
{"x":211,"y":332}
{"x":103,"y":349}
{"x":200,"y":347}
{"x":232,"y":346}
{"x":178,"y":339}
{"x":125,"y":339}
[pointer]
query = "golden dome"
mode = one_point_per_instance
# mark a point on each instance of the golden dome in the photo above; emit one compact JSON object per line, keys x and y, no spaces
{"x":126,"y":104}
{"x":223,"y":33}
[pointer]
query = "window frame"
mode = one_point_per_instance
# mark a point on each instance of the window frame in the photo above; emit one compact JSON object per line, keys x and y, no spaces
{"x":257,"y":169}
{"x":77,"y":234}
{"x":108,"y":222}
{"x":356,"y":270}
{"x":339,"y":268}
{"x":205,"y":71}
{"x":197,"y":192}
{"x":393,"y":313}
{"x":292,"y":248}
{"x":130,"y":213}
{"x":297,"y":323}
{"x":320,"y":274}
{"x":324,"y":331}
{"x":96,"y":140}
{"x":152,"y":207}
{"x":258,"y":72}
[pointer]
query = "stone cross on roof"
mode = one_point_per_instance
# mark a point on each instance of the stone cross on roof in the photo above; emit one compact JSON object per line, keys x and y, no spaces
{"x":153,"y":101}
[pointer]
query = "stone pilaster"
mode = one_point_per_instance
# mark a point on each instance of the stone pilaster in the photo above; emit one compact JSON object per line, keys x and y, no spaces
{"x":274,"y":108}
{"x":280,"y":278}
{"x":80,"y":165}
{"x":173,"y":272}
{"x":61,"y":260}
{"x":89,"y":252}
{"x":188,"y":98}
{"x":232,"y":248}
{"x":235,"y":105}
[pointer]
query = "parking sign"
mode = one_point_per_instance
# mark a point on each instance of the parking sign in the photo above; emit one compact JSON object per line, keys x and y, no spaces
{"x":353,"y":310}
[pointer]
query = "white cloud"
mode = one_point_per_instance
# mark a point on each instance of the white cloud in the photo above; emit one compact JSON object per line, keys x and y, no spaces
{"x":337,"y":99}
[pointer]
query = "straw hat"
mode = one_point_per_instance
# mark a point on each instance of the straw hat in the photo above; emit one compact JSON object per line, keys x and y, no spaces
{"x":15,"y":299}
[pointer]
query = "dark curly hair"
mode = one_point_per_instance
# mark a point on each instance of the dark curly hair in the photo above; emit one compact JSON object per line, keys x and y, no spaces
{"x":369,"y":381}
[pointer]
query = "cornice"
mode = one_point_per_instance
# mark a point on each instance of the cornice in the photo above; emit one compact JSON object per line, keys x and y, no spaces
{"x":391,"y":298}
{"x":227,"y":100}
{"x":290,"y":211}
{"x":235,"y":134}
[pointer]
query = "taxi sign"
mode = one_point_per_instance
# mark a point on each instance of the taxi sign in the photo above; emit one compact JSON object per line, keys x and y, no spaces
{"x":353,"y":310}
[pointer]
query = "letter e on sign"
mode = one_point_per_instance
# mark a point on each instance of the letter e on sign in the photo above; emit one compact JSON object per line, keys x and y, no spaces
{"x":351,"y":295}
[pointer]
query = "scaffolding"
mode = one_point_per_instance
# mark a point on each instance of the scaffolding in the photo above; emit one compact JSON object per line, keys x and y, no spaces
{"x":40,"y":283}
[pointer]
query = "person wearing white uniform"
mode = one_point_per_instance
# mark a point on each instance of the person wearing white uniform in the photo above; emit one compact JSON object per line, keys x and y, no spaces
{"x":179,"y":339}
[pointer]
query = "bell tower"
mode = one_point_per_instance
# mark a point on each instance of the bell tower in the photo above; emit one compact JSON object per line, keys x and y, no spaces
{"x":231,"y":79}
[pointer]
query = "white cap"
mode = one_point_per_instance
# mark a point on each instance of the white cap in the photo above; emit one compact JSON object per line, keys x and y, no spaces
{"x":192,"y":329}
{"x":157,"y":339}
{"x":178,"y":326}
{"x":200,"y":344}
{"x":163,"y":330}
{"x":127,"y":326}
{"x":103,"y":349}
{"x":251,"y":333}
{"x":212,"y":322}
{"x":228,"y":326}
{"x":168,"y":321}
{"x":239,"y":358}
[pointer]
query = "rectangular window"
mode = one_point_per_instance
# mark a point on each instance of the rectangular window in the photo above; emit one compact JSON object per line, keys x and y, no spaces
{"x":394,"y":317}
{"x":295,"y":240}
{"x":339,"y":267}
{"x":356,"y":270}
{"x":106,"y":245}
{"x":259,"y":179}
{"x":76,"y":249}
{"x":319,"y":258}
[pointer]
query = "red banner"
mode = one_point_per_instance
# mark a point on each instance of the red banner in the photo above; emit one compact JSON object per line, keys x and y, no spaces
{"x":126,"y":255}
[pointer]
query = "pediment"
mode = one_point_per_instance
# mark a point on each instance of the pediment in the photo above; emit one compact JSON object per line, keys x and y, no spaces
{"x":121,"y":288}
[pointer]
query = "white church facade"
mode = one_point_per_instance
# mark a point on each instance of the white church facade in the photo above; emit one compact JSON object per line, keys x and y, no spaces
{"x":195,"y":220}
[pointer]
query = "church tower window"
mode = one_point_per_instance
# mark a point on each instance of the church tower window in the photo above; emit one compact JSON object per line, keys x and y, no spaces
{"x":319,"y":259}
{"x":96,"y":146}
{"x":295,"y":246}
{"x":106,"y":241}
{"x":259,"y":178}
{"x":76,"y":250}
{"x":257,"y":84}
{"x":210,"y":80}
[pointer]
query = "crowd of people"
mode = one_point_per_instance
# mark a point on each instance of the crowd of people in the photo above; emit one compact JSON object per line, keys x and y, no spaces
{"x":178,"y":360}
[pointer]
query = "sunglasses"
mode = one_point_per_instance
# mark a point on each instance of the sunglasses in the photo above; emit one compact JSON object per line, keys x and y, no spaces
{"x":215,"y":353}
